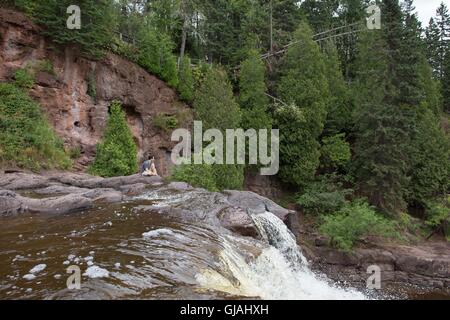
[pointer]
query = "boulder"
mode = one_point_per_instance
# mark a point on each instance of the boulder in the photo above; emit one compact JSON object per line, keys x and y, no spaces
{"x":13,"y":204}
{"x":237,"y":220}
{"x":257,"y":203}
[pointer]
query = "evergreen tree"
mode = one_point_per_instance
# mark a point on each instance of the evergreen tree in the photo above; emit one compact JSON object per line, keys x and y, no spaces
{"x":253,"y":99}
{"x":389,"y":92}
{"x":116,"y":154}
{"x":443,"y":25}
{"x":432,"y":37}
{"x":437,"y":35}
{"x":303,"y":86}
{"x":216,"y":108}
{"x":431,"y":160}
{"x":340,"y":105}
{"x":186,"y":80}
{"x":445,"y":82}
{"x":215,"y":104}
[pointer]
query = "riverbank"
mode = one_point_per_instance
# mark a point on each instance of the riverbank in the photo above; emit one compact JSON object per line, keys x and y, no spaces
{"x":423,"y":264}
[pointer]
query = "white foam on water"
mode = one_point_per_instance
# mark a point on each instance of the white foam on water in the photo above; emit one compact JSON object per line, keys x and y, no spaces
{"x":29,"y":277}
{"x":38,"y":268}
{"x":279,"y":272}
{"x":94,"y":272}
{"x":157,"y":233}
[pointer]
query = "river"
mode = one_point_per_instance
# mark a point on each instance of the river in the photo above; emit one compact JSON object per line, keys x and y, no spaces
{"x":125,"y":253}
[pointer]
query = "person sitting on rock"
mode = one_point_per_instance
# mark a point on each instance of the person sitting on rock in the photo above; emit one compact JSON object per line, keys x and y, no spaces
{"x":149,"y":168}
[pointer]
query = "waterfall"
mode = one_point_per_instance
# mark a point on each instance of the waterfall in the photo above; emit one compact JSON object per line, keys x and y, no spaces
{"x":279,"y":272}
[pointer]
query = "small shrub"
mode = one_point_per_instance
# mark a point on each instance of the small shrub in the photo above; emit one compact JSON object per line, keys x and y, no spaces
{"x":74,"y":153}
{"x":24,"y":78}
{"x":335,"y":151}
{"x":323,"y":197}
{"x":228,"y":177}
{"x":438,"y":216}
{"x":116,"y":154}
{"x":165,"y":122}
{"x":197,"y":175}
{"x":46,"y":66}
{"x":354,"y":222}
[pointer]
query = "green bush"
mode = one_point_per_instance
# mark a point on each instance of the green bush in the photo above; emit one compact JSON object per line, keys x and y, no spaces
{"x":229,"y":177}
{"x":323,"y":197}
{"x":165,"y":122}
{"x":438,"y":216}
{"x":335,"y":151}
{"x":74,"y":153}
{"x":200,"y":176}
{"x":116,"y":154}
{"x":46,"y":66}
{"x":24,"y":78}
{"x":354,"y":222}
{"x":214,"y":177}
{"x":26,"y":138}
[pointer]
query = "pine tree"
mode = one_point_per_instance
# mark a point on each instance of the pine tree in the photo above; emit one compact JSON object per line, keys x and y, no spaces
{"x":215,"y":104}
{"x":340,"y":105}
{"x":437,"y":35}
{"x":116,"y":154}
{"x":388,"y":91}
{"x":443,"y":24}
{"x":216,"y":107}
{"x":253,"y":99}
{"x":303,"y":87}
{"x":445,"y":82}
{"x":432,"y":40}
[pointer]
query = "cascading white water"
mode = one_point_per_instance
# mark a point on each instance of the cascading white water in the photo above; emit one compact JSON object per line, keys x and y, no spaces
{"x":279,"y":272}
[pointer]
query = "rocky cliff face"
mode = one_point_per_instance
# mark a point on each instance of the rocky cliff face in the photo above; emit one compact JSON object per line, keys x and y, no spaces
{"x":79,"y":118}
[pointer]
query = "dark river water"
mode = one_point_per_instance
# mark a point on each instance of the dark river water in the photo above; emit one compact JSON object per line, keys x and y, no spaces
{"x":124,"y":253}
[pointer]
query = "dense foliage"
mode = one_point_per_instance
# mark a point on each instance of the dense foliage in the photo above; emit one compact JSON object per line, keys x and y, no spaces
{"x":26,"y":138}
{"x":353,"y":222}
{"x":116,"y":154}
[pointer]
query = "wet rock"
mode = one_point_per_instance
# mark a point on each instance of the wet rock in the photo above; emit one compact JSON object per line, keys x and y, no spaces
{"x":90,"y":182}
{"x":133,"y":189}
{"x":22,"y":181}
{"x":180,"y":186}
{"x":104,"y":195}
{"x":237,"y":220}
{"x":426,"y":265}
{"x":60,"y":189}
{"x":9,"y":204}
{"x":257,"y":203}
{"x":13,"y":204}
